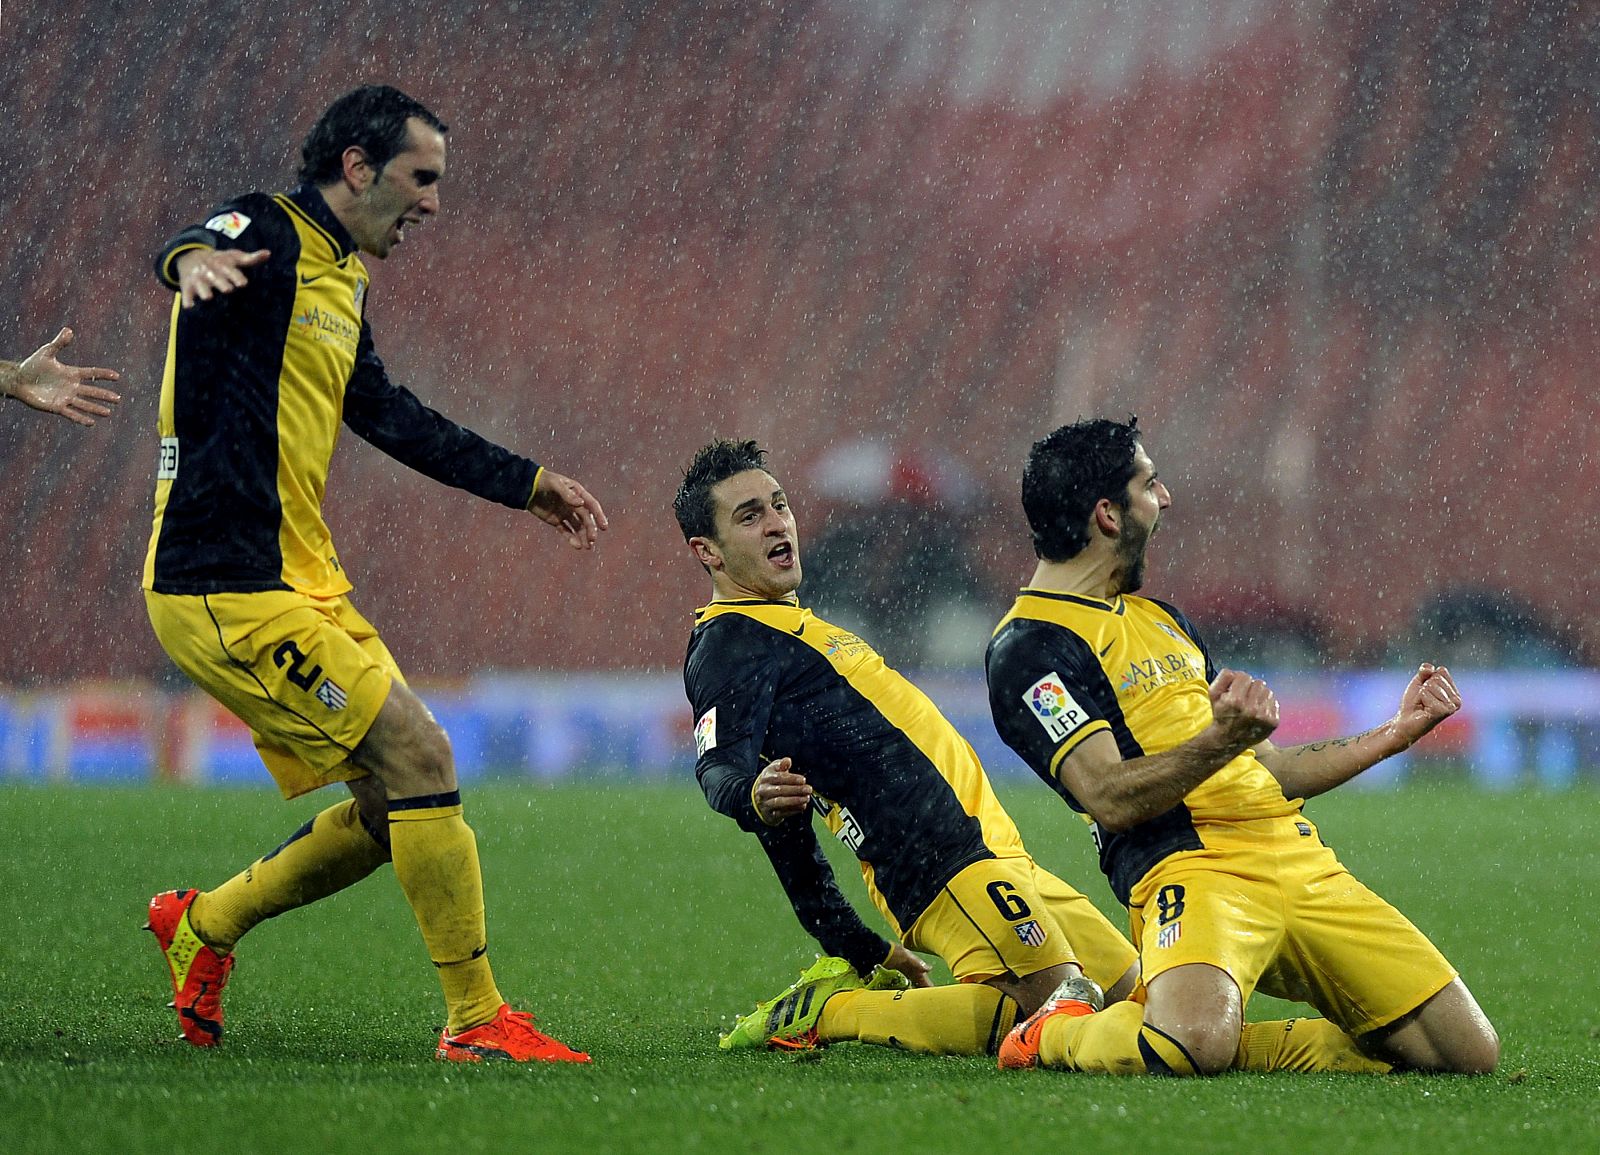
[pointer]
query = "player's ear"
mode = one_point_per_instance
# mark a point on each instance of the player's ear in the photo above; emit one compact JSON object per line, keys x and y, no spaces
{"x":706,"y":552}
{"x":358,"y":170}
{"x":1107,"y":517}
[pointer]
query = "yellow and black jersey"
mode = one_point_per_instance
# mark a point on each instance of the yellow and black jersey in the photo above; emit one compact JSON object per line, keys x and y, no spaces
{"x":893,"y":779}
{"x":257,"y":383}
{"x":1063,"y":667}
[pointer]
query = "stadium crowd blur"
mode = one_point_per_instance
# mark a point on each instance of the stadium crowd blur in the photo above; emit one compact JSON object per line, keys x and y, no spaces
{"x":1339,"y":254}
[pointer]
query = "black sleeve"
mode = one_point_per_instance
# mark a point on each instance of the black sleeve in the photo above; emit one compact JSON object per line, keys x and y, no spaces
{"x":247,"y":223}
{"x":1047,"y":693}
{"x":391,"y":418}
{"x":732,"y":675}
{"x":821,"y":907}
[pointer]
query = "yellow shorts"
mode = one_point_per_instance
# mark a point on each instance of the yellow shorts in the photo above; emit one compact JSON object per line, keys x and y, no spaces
{"x":1272,"y":906}
{"x":307,"y":675}
{"x":1009,"y":915}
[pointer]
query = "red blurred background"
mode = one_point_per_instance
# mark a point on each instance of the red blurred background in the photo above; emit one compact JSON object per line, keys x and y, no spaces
{"x":1336,"y":256}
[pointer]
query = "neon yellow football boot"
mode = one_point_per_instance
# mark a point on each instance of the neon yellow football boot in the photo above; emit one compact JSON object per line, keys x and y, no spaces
{"x":884,"y":979}
{"x":789,"y":1020}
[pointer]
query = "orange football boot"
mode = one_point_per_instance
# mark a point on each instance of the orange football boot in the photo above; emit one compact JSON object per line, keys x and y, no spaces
{"x":510,"y":1035}
{"x":198,"y":973}
{"x":1077,"y":996}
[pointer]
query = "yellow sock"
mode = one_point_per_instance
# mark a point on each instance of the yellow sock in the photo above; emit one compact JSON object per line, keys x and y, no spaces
{"x":324,"y":856}
{"x":963,"y":1019}
{"x":1302,"y":1045}
{"x":1116,"y":1041}
{"x":436,"y":861}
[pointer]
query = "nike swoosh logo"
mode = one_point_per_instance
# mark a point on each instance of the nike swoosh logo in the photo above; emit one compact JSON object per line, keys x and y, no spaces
{"x":1107,"y":650}
{"x":799,"y":631}
{"x":305,"y":280}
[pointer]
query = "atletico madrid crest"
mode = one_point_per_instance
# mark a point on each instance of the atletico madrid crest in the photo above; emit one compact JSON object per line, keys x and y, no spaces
{"x":1031,"y":933}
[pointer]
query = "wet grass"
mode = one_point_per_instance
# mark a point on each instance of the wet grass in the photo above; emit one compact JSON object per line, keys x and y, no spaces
{"x":633,"y":921}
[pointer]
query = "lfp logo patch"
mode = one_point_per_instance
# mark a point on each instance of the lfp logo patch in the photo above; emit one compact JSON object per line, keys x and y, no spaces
{"x":705,"y":732}
{"x":229,"y":225}
{"x":1055,"y":709}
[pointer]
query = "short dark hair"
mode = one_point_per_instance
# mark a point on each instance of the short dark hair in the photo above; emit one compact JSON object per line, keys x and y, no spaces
{"x":1067,"y":474}
{"x":722,"y":459}
{"x":372,"y":117}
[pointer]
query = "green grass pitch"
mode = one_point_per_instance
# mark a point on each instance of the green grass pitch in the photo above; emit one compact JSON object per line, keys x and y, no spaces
{"x":634,"y":922}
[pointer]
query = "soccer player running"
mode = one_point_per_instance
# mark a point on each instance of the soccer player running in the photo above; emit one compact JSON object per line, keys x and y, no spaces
{"x":792,"y":715}
{"x":1114,"y":701}
{"x":42,"y":382}
{"x":269,"y":352}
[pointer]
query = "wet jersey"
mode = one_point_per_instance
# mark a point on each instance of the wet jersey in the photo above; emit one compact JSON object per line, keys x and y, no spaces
{"x":256,"y":386}
{"x":1063,"y":667}
{"x":893,"y":779}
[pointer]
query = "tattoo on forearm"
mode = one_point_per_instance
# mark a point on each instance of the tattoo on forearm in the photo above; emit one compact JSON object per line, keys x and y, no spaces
{"x":1318,"y":747}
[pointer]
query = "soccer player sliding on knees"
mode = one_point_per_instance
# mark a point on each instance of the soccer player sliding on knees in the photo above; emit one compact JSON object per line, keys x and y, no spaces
{"x":1114,"y":701}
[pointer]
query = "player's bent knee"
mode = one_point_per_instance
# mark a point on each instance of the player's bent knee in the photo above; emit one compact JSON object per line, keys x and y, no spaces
{"x":434,"y":759}
{"x":1214,"y":1054}
{"x":1199,"y":1013}
{"x":407,"y":750}
{"x":1192,"y":1049}
{"x":1448,"y":1034}
{"x":1476,"y":1054}
{"x":1463,"y":1038}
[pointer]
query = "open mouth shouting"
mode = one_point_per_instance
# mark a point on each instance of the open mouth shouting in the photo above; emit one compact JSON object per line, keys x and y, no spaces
{"x":397,"y":234}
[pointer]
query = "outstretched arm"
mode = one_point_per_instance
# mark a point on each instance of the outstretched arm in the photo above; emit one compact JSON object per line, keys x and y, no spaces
{"x":563,"y":503}
{"x":1316,"y":767}
{"x":206,"y":273}
{"x":42,"y":382}
{"x":392,"y":418}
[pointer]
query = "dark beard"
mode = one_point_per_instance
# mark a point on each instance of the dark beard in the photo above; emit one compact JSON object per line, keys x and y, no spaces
{"x":1130,"y":552}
